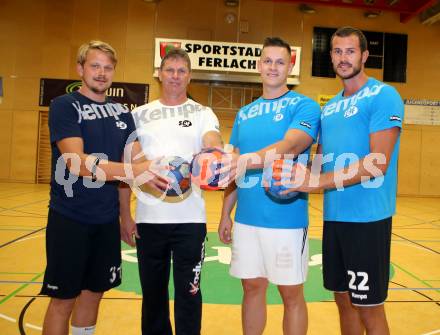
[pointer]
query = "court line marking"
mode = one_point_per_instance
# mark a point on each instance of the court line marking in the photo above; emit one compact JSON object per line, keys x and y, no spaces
{"x":419,"y":240}
{"x":413,"y":228}
{"x":21,"y":237}
{"x":7,"y":318}
{"x":19,"y":226}
{"x":433,"y":332}
{"x":21,"y":317}
{"x":315,"y":208}
{"x":140,"y":299}
{"x":391,"y":288}
{"x":421,"y":245}
{"x":12,"y":294}
{"x":19,"y":282}
{"x":415,"y":291}
{"x":30,"y":238}
{"x":413,"y":276}
{"x":19,"y":273}
{"x":414,"y":288}
{"x":433,"y":222}
{"x":408,"y":244}
{"x":18,"y":194}
{"x":15,"y":229}
{"x":410,"y":229}
{"x":410,"y":216}
{"x":29,"y":215}
{"x":3,"y":209}
{"x":30,"y":325}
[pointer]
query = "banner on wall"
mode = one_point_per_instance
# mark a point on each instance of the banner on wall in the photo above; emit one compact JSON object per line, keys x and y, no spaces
{"x":323,"y":99}
{"x":422,"y":111}
{"x":220,"y":57}
{"x":129,"y":94}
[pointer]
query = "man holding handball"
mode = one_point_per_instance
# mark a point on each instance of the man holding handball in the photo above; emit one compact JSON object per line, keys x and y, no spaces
{"x":270,"y":241}
{"x":360,"y":128}
{"x":89,"y":134}
{"x":171,"y":228}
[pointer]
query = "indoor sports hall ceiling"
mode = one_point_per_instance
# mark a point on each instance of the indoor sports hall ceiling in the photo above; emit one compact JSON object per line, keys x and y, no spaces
{"x":428,"y":10}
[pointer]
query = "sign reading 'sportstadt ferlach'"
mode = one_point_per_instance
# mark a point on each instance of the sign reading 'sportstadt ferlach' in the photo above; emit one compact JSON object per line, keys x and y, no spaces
{"x":220,"y":56}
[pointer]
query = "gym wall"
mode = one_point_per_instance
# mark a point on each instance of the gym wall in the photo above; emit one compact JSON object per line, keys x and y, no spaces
{"x":39,"y":38}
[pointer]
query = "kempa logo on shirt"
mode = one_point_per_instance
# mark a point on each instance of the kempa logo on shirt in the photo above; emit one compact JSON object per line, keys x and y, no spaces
{"x":305,"y":124}
{"x":395,"y":118}
{"x":278,"y":117}
{"x":96,"y":111}
{"x":353,"y":110}
{"x":121,"y":125}
{"x":185,"y":123}
{"x":344,"y":104}
{"x":146,"y":115}
{"x":267,"y":107}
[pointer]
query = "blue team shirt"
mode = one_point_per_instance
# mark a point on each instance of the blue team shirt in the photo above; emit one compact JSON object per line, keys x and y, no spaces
{"x":257,"y":125}
{"x":105,"y":129}
{"x":346,"y":125}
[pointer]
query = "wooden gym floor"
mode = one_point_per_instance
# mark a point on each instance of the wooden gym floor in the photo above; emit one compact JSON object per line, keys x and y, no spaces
{"x":413,"y":305}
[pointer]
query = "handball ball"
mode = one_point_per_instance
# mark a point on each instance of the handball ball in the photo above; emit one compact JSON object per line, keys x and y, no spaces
{"x":204,"y":166}
{"x":180,"y":177}
{"x":273,"y":176}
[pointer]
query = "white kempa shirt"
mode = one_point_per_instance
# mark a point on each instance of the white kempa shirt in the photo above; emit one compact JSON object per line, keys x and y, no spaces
{"x":172,"y":131}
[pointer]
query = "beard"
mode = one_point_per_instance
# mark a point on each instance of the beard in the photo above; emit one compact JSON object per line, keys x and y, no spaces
{"x":356,"y":69}
{"x":97,"y":89}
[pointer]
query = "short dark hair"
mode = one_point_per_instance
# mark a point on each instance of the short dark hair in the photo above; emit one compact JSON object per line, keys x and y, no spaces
{"x":348,"y":31}
{"x":176,"y":53}
{"x":277,"y":42}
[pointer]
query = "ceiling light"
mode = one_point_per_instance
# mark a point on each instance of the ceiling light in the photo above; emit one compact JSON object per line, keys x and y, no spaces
{"x":372,"y":15}
{"x":231,"y":3}
{"x":306,"y":9}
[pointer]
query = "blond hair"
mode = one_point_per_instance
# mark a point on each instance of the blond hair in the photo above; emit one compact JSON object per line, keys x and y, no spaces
{"x":95,"y":45}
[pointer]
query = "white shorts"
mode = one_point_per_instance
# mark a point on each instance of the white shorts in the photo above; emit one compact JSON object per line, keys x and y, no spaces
{"x":280,"y":255}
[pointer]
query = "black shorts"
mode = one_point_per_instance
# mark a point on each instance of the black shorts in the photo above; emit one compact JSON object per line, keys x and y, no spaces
{"x":80,"y":257}
{"x":356,"y":258}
